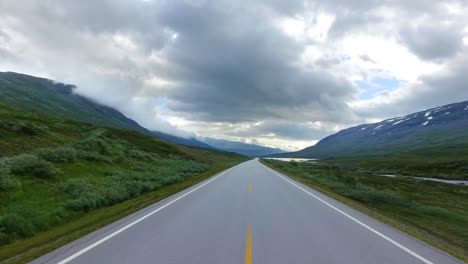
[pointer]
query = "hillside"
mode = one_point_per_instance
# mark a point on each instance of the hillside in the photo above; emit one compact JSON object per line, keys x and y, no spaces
{"x":443,"y":128}
{"x":250,"y":150}
{"x":61,"y":179}
{"x":51,"y":98}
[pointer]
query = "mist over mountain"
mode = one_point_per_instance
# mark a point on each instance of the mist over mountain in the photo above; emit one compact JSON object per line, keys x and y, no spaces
{"x":250,"y":150}
{"x":441,"y":127}
{"x":58,"y":99}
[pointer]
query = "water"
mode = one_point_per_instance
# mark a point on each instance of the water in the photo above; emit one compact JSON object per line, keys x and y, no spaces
{"x":458,"y":182}
{"x":294,"y":159}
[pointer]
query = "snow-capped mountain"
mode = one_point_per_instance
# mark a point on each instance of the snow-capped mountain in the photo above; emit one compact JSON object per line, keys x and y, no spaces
{"x":441,"y":126}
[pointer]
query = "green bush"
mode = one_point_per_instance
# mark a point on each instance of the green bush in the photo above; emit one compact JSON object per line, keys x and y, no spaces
{"x":369,"y":194}
{"x":7,"y":181}
{"x":76,"y":187}
{"x":15,"y":225}
{"x":99,"y":146}
{"x":140,"y":155}
{"x":92,"y":156}
{"x":21,"y":128}
{"x":95,"y":141}
{"x":4,"y":238}
{"x":27,"y":164}
{"x":59,"y":155}
{"x":87,"y":202}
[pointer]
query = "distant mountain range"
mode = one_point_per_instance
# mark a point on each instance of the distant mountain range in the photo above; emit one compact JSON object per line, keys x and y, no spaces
{"x":441,"y":127}
{"x":191,"y":141}
{"x":250,"y":150}
{"x":57,"y":99}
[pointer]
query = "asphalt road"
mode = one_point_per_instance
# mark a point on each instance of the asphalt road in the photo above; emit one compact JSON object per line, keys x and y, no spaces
{"x":248,"y":214}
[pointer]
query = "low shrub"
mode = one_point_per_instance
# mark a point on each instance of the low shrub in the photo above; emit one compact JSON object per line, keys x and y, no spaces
{"x":44,"y":170}
{"x":92,"y":156}
{"x":86,"y":202}
{"x":76,"y":187}
{"x":27,"y":164}
{"x":140,"y":155}
{"x":4,"y":238}
{"x":369,"y":194}
{"x":21,"y":128}
{"x":7,"y":181}
{"x":59,"y":155}
{"x":94,"y":142}
{"x":14,"y":225}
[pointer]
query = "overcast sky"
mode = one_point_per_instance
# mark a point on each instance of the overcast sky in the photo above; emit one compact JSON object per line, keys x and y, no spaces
{"x":277,"y":73}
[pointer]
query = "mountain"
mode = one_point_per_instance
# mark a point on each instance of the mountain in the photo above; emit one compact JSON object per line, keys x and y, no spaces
{"x":180,"y":140}
{"x":444,"y":127}
{"x":57,"y":99}
{"x":241,"y":148}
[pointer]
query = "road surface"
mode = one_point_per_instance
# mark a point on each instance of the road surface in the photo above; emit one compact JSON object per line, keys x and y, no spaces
{"x":248,"y":214}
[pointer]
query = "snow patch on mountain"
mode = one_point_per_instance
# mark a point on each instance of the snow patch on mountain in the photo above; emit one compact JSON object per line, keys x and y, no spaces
{"x":401,"y":121}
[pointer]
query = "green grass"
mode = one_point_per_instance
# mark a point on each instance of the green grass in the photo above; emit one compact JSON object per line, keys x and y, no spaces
{"x":62,"y":179}
{"x":433,"y":212}
{"x":437,"y":162}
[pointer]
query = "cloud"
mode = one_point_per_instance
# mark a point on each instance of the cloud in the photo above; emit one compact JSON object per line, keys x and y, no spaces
{"x":433,"y":41}
{"x":444,"y":87}
{"x":282,"y":73}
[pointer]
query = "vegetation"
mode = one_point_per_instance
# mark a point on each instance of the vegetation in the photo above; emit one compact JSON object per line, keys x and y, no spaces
{"x":434,"y":212}
{"x":54,"y":99}
{"x":437,"y":162}
{"x":60,"y":179}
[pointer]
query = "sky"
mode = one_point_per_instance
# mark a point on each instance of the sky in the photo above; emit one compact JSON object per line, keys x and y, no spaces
{"x":275,"y":73}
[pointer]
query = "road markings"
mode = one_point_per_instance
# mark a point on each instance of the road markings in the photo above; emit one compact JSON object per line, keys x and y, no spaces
{"x":414,"y":254}
{"x":102,"y":240}
{"x":248,"y":246}
{"x":250,"y":188}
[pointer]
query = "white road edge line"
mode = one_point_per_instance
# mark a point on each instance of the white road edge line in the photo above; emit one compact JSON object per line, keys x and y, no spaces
{"x":104,"y":239}
{"x":414,"y":254}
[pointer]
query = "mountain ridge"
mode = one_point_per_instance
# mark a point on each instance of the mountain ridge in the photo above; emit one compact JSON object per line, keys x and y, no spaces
{"x":47,"y":96}
{"x":250,"y":150}
{"x":441,"y":126}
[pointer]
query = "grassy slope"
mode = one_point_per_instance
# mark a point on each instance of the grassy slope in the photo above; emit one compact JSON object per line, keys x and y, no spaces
{"x":40,"y":95}
{"x":439,"y":162}
{"x":433,"y":212}
{"x":116,"y":172}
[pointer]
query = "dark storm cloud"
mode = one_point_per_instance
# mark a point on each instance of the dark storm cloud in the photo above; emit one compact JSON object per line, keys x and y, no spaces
{"x":433,"y":40}
{"x":284,"y":129}
{"x":233,"y":71}
{"x":229,"y":62}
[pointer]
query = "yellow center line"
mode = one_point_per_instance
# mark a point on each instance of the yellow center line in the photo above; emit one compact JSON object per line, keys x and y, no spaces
{"x":250,"y":187}
{"x":248,"y":246}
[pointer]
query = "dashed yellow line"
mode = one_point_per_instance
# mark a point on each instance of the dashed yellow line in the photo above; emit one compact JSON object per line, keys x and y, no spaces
{"x":250,"y":187}
{"x":248,"y":246}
